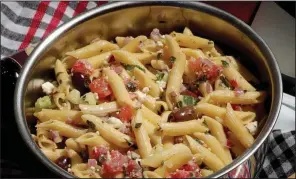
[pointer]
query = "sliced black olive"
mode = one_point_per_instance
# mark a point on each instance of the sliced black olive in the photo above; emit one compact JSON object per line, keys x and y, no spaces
{"x":63,"y":162}
{"x":183,"y":114}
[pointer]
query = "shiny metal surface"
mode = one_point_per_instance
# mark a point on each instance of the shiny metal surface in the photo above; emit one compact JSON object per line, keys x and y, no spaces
{"x":135,"y":18}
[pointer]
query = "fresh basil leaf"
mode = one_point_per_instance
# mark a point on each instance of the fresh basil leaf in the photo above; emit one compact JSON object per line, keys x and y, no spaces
{"x":140,"y":68}
{"x":189,"y":100}
{"x":131,"y":67}
{"x":225,"y":81}
{"x":159,"y":76}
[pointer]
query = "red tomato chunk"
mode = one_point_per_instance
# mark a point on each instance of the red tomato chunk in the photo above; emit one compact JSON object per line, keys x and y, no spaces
{"x":101,"y":87}
{"x":82,"y":66}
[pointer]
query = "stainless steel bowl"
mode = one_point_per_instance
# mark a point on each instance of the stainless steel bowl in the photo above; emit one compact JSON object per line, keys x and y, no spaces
{"x":135,"y":18}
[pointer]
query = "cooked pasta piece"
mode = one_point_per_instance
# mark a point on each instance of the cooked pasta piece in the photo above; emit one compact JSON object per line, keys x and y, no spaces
{"x":227,"y":96}
{"x":238,"y":129}
{"x":108,"y":132}
{"x":63,"y":128}
{"x":156,"y":159}
{"x":99,"y":110}
{"x":214,"y":111}
{"x":61,"y":115}
{"x":193,"y":42}
{"x":176,"y":73}
{"x":63,"y":78}
{"x":133,"y":45}
{"x":144,"y":81}
{"x":141,"y":135}
{"x":93,"y":49}
{"x":182,"y":128}
{"x":210,"y":159}
{"x":118,"y":88}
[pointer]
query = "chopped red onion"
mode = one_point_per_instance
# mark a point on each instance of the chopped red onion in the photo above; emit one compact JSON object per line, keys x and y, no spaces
{"x":206,"y":62}
{"x":238,"y":91}
{"x":92,"y":162}
{"x":228,"y":144}
{"x":155,"y":34}
{"x":183,"y":88}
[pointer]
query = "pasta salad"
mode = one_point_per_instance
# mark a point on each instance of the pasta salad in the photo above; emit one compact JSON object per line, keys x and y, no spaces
{"x":163,"y":106}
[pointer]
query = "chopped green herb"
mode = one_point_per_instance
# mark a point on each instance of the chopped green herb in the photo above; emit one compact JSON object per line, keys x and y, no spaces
{"x":225,"y":63}
{"x":102,"y":158}
{"x":91,"y":125}
{"x":189,"y":100}
{"x":138,"y":125}
{"x":210,"y":42}
{"x":131,"y":67}
{"x":162,"y":163}
{"x":172,"y":59}
{"x":159,"y":56}
{"x":205,"y":123}
{"x":159,"y":76}
{"x":199,"y":141}
{"x":225,"y":81}
{"x":191,"y":174}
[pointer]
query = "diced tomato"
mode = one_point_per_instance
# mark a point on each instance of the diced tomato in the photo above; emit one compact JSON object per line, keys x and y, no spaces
{"x":125,"y":113}
{"x":233,"y":83}
{"x":134,"y":170}
{"x":180,"y":174}
{"x":115,"y":164}
{"x":194,"y":64}
{"x":101,"y":87}
{"x":213,"y":72}
{"x":189,"y":93}
{"x":236,"y":107}
{"x":204,"y":67}
{"x":190,"y":166}
{"x":82,"y":66}
{"x":98,"y":152}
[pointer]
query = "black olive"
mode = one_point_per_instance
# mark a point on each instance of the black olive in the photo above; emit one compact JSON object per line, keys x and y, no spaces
{"x":131,"y":86}
{"x":183,"y":114}
{"x":80,"y":82}
{"x":63,"y":162}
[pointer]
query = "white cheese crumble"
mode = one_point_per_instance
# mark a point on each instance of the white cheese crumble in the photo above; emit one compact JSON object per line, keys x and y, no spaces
{"x":252,"y":127}
{"x":141,"y":96}
{"x":146,"y":89}
{"x":47,"y":87}
{"x":115,"y":122}
{"x":161,"y":84}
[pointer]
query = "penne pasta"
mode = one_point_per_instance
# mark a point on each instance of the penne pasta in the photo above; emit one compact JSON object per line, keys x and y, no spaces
{"x":217,"y":131}
{"x":175,"y":75}
{"x":108,"y":132}
{"x":99,"y":110}
{"x":182,"y":128}
{"x":127,"y":58}
{"x":60,"y":115}
{"x":156,"y":159}
{"x":237,"y":148}
{"x":193,"y":42}
{"x":141,"y":135}
{"x":227,"y":96}
{"x":100,"y":60}
{"x":235,"y":126}
{"x":93,"y":49}
{"x":133,"y":45}
{"x":144,"y":81}
{"x":210,"y":159}
{"x":214,"y":111}
{"x":215,"y":146}
{"x":63,"y":128}
{"x":118,"y":88}
{"x":173,"y":163}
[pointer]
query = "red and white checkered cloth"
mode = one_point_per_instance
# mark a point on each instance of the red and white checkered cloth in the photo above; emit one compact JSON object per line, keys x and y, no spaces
{"x":25,"y":23}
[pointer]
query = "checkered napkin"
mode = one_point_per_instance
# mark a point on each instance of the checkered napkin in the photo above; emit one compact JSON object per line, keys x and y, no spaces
{"x":26,"y":23}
